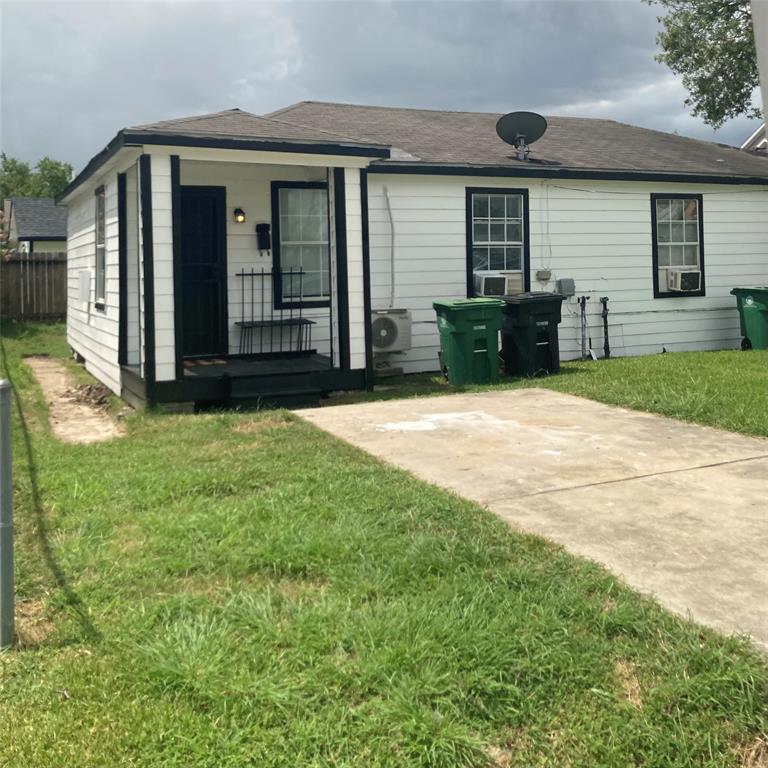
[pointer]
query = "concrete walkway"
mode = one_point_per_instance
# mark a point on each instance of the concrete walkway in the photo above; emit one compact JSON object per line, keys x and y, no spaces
{"x":679,"y":511}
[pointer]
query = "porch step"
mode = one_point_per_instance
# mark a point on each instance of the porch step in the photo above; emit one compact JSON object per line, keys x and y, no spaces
{"x":296,"y":398}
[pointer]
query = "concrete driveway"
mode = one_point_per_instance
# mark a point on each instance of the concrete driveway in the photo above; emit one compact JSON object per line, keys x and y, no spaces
{"x":679,"y":511}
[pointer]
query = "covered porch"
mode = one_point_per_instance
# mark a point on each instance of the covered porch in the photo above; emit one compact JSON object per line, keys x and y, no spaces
{"x":244,"y":276}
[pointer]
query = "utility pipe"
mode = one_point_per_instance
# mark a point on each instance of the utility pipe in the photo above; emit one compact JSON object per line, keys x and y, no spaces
{"x":391,"y":249}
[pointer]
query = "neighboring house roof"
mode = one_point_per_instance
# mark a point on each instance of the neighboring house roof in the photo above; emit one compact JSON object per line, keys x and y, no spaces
{"x":38,"y":218}
{"x":469,"y":138}
{"x":758,"y":140}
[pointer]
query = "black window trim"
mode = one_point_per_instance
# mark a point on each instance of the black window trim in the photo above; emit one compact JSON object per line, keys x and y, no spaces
{"x":277,"y":282}
{"x":100,"y":302}
{"x":526,"y":232}
{"x":657,"y":292}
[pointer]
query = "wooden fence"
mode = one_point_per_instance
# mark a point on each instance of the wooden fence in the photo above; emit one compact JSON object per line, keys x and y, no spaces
{"x":33,"y":286}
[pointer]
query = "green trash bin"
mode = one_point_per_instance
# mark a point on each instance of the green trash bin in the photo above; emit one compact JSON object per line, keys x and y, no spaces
{"x":469,"y":339}
{"x":753,"y":316}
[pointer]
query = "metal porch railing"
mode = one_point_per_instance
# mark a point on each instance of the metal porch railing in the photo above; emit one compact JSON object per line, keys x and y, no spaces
{"x":266,"y":329}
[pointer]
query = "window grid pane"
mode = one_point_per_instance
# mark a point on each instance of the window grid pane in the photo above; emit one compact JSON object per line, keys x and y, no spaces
{"x":304,"y":243}
{"x":100,"y":279}
{"x":677,"y":234}
{"x":497,"y":232}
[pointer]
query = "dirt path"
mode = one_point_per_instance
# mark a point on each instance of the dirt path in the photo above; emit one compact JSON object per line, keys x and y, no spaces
{"x":72,"y":420}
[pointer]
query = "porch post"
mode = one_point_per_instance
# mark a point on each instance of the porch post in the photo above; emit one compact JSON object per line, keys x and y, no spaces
{"x":350,"y":268}
{"x":157,"y":255}
{"x":148,"y":275}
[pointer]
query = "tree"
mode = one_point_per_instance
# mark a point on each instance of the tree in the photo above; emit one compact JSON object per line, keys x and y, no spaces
{"x":49,"y":178}
{"x":15,"y":177}
{"x":711,"y":44}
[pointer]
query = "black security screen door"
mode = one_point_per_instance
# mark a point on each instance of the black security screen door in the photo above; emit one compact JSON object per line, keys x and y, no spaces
{"x":203,"y":271}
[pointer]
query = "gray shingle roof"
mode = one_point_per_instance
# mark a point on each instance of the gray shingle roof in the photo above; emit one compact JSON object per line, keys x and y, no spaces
{"x":469,"y":138}
{"x":235,"y":123}
{"x":39,"y":218}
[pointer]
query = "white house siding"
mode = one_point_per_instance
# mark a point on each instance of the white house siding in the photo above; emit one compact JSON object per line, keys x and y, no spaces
{"x":91,"y":332}
{"x":248,"y":186}
{"x":598,"y":233}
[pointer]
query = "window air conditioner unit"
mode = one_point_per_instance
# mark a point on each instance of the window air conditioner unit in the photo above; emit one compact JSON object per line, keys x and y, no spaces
{"x":391,"y":330}
{"x":498,"y":285}
{"x":683,"y":280}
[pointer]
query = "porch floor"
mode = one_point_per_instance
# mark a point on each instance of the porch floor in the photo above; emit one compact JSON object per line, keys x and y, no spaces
{"x":238,"y":367}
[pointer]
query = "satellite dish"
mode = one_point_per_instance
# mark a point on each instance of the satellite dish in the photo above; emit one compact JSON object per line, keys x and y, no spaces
{"x":521,"y":129}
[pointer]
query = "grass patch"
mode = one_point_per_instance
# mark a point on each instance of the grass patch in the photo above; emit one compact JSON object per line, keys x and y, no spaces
{"x":230,"y":590}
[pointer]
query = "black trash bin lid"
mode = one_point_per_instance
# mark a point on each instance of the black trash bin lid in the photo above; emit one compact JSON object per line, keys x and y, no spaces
{"x":531,"y":296}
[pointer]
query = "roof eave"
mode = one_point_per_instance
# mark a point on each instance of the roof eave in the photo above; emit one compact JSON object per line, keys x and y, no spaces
{"x":129,"y":138}
{"x":351,"y":149}
{"x":529,"y":171}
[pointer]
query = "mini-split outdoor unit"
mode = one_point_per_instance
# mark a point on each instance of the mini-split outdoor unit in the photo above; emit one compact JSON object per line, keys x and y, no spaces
{"x":498,"y":285}
{"x":391,"y":330}
{"x":683,"y":280}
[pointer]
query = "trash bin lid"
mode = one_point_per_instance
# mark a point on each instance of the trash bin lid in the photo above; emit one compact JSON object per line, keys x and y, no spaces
{"x":466,"y":303}
{"x":520,"y":298}
{"x":759,"y":289}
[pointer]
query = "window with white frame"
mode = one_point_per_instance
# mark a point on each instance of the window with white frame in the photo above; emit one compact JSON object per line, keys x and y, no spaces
{"x":100,"y":238}
{"x":677,"y":236}
{"x":498,"y":231}
{"x":303,"y":253}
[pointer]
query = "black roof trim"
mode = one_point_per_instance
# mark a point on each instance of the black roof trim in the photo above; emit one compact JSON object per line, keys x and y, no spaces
{"x":94,"y":164}
{"x":527,"y":171}
{"x":127,"y":138}
{"x":265,"y":145}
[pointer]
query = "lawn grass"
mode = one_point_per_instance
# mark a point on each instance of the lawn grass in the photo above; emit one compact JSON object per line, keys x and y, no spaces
{"x":726,"y":389}
{"x":242,"y":589}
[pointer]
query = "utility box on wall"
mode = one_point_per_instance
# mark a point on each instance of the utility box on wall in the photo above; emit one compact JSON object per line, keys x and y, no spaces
{"x":566,"y":287}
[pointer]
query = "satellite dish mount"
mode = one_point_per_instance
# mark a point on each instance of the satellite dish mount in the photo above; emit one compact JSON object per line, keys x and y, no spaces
{"x":521,"y":129}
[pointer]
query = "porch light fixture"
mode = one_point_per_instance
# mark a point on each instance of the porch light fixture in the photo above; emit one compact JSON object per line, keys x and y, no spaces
{"x":239,"y":215}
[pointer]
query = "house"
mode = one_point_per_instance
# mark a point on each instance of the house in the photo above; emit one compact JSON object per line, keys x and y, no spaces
{"x":757,"y":141}
{"x":234,"y":257}
{"x":35,"y":224}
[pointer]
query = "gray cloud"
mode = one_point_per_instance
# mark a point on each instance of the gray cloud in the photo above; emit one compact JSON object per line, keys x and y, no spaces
{"x":95,"y":67}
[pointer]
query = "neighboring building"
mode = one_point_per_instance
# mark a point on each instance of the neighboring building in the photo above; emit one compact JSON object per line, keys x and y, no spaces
{"x":231,"y":257}
{"x":760,"y":28}
{"x":757,"y":141}
{"x":35,"y":224}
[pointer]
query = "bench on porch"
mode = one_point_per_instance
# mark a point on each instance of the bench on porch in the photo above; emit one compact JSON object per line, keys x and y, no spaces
{"x":303,"y":341}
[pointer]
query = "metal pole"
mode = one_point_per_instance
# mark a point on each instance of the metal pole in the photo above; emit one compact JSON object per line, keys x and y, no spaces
{"x":606,"y":344}
{"x":6,"y":519}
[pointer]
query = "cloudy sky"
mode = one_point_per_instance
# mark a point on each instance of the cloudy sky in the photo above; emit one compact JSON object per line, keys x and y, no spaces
{"x":74,"y":73}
